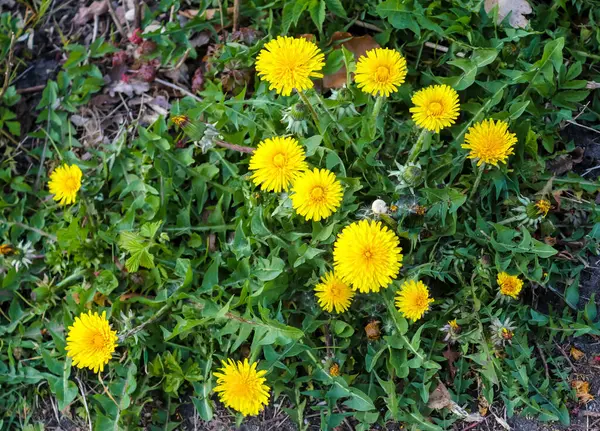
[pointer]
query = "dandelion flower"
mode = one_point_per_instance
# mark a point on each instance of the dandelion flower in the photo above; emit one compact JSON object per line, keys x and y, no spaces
{"x":502,"y":331}
{"x":241,"y":387}
{"x":278,"y":162}
{"x":333,"y":292}
{"x":367,"y":255}
{"x":180,"y":120}
{"x":436,"y":107}
{"x":413,"y":299}
{"x":288,"y":63}
{"x":334,"y":370}
{"x":64,"y":183}
{"x":490,"y":142}
{"x":5,"y":250}
{"x":510,"y":285}
{"x":90,"y":342}
{"x":317,"y":194}
{"x":380,"y":71}
{"x":452,"y":330}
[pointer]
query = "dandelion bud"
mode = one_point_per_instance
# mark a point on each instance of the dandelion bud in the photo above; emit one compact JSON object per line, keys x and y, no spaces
{"x":295,"y":119}
{"x":298,"y":111}
{"x":412,"y":175}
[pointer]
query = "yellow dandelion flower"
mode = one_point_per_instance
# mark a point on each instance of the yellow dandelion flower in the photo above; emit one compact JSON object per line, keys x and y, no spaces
{"x":510,"y":285}
{"x":490,"y":142}
{"x":380,"y":71}
{"x":317,"y":194}
{"x":90,"y":342}
{"x":5,"y":249}
{"x":179,"y":120}
{"x":436,"y":107}
{"x":334,"y":370}
{"x":278,"y":162}
{"x":367,"y":255}
{"x":413,"y":299}
{"x":333,"y":292}
{"x":543,"y":207}
{"x":453,"y":324}
{"x":288,"y":63}
{"x":64,"y":183}
{"x":241,"y":387}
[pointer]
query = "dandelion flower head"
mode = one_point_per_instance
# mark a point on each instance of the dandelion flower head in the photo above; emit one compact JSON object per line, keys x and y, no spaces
{"x":90,"y":341}
{"x":333,"y":293}
{"x":316,"y":194}
{"x":510,"y":285}
{"x":64,"y":183}
{"x":413,"y":299}
{"x":380,"y":71}
{"x":436,"y":107}
{"x":367,"y":255}
{"x":288,"y":63}
{"x":241,"y":387}
{"x":276,"y":163}
{"x":490,"y":142}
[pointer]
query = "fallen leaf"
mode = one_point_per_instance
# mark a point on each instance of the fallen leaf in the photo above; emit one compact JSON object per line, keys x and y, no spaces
{"x":357,"y":46}
{"x":560,"y":165}
{"x":516,"y":8}
{"x":372,"y":330}
{"x":198,"y":80}
{"x":576,"y":354}
{"x":85,"y":14}
{"x":483,"y":405}
{"x":582,"y":391}
{"x":452,"y":357}
{"x":439,"y":398}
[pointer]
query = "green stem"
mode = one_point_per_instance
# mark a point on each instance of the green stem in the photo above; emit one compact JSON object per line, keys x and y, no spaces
{"x":33,"y":229}
{"x":377,"y":108}
{"x":315,"y":118}
{"x":416,"y":149}
{"x":510,"y":220}
{"x":477,"y":181}
{"x":333,"y":120}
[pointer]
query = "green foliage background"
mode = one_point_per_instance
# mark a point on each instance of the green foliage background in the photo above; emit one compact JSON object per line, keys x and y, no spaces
{"x":195,"y":265}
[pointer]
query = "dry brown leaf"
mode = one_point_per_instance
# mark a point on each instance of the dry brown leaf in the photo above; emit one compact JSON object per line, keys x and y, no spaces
{"x":451,"y":356}
{"x":372,"y":330}
{"x":439,"y":398}
{"x":519,"y":8}
{"x":582,"y":391}
{"x":85,"y":14}
{"x":483,"y":405}
{"x":357,"y":46}
{"x":576,"y":354}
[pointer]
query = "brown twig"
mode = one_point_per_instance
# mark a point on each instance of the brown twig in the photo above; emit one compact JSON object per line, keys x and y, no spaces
{"x":235,"y":147}
{"x":566,"y":356}
{"x":137,"y":19}
{"x":442,"y":48}
{"x":178,"y":88}
{"x":34,"y":89}
{"x":236,"y":14}
{"x":368,"y":26}
{"x":543,"y":357}
{"x":115,"y":18}
{"x":9,"y":61}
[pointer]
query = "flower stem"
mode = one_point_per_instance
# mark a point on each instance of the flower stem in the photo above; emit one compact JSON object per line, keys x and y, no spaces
{"x":315,"y":118}
{"x":376,"y":109}
{"x":416,"y":149}
{"x":477,"y":181}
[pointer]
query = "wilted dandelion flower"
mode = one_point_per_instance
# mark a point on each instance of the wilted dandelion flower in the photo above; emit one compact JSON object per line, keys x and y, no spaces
{"x":316,"y":194}
{"x":241,"y":387}
{"x":490,"y":142}
{"x":22,"y":256}
{"x":5,"y":250}
{"x":64,"y":183}
{"x":543,"y":207}
{"x":510,"y":285}
{"x":277,"y":162}
{"x":413,"y":299}
{"x":90,"y":341}
{"x":288,"y":63}
{"x":436,"y":107}
{"x":333,"y":293}
{"x":502,"y":331}
{"x":367,"y":255}
{"x":380,"y":71}
{"x":452,"y":330}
